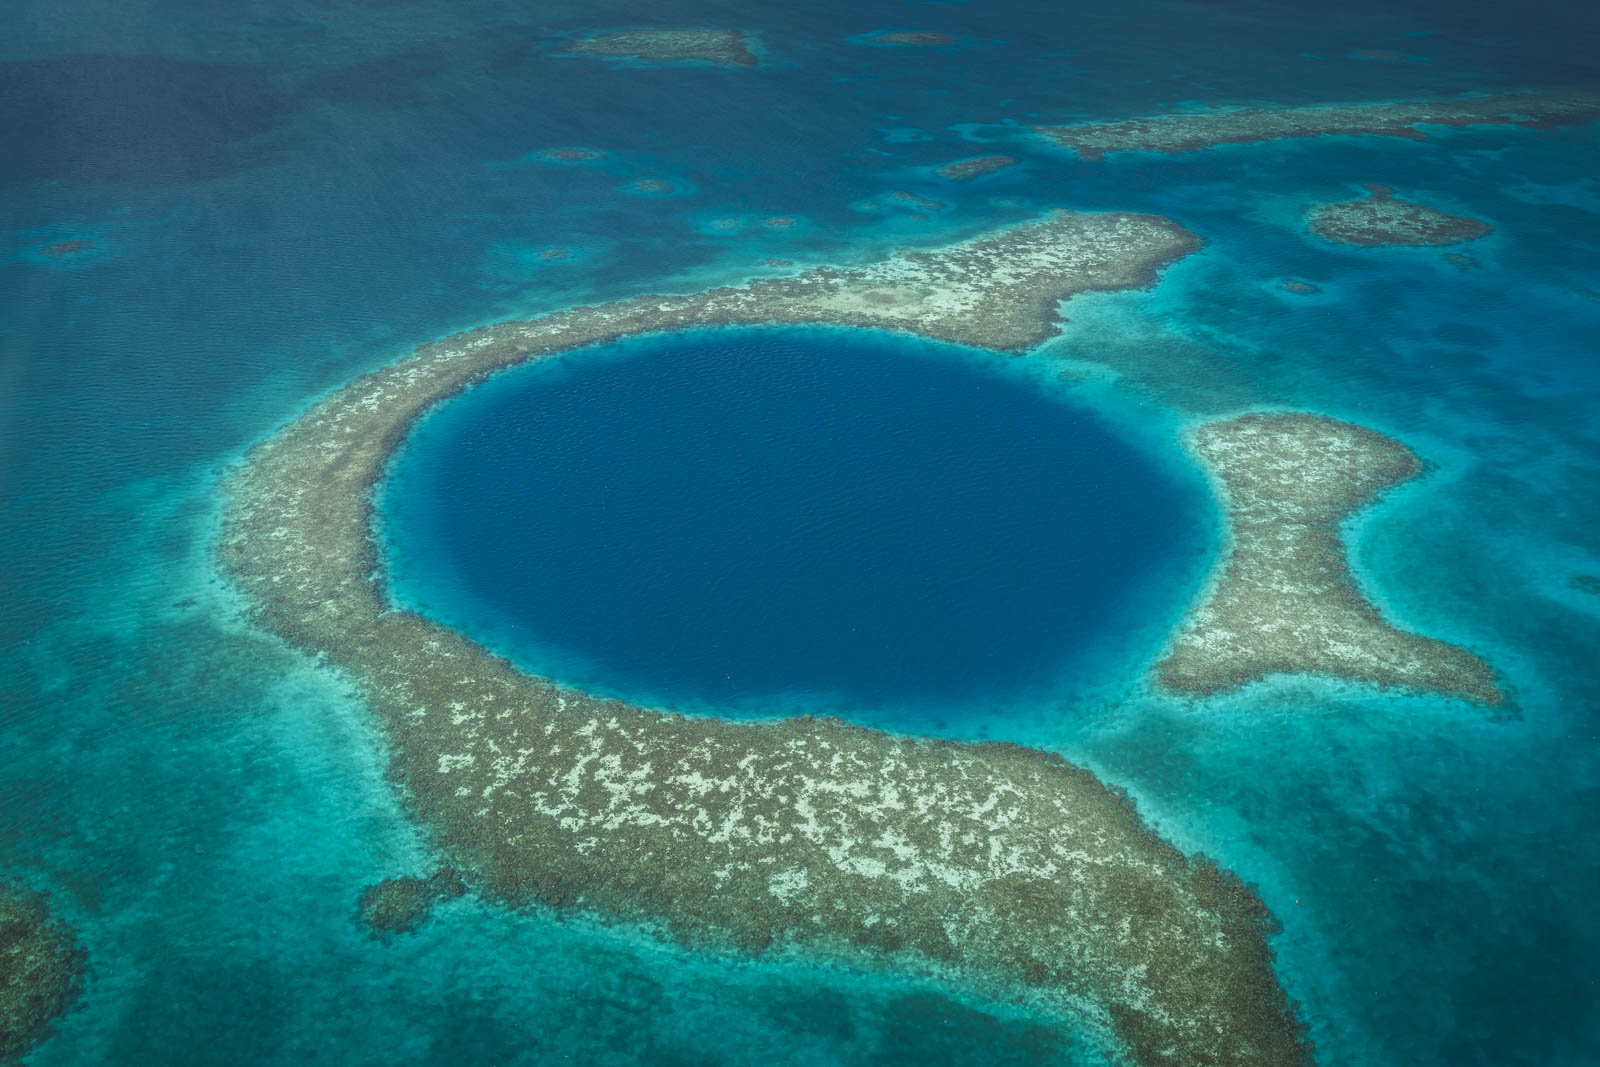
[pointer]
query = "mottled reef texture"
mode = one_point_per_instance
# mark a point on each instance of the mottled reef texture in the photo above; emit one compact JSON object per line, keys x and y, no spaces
{"x":41,"y":971}
{"x":1586,"y":583}
{"x":1283,"y":599}
{"x":963,"y":169}
{"x":725,"y":48}
{"x":65,"y":249}
{"x":916,"y":38}
{"x":1192,"y":130}
{"x":1381,"y":218}
{"x":999,"y":868}
{"x":399,"y":905}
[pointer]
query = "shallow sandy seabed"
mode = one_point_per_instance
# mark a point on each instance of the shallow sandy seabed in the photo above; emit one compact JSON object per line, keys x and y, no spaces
{"x":1192,"y":130}
{"x":1002,"y":869}
{"x":41,"y":971}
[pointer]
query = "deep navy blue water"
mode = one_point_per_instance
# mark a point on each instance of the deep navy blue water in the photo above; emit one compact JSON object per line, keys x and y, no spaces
{"x":786,"y":520}
{"x":280,"y":196}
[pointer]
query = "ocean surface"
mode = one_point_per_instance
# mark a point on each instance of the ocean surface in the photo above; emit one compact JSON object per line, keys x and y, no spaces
{"x":275,"y":197}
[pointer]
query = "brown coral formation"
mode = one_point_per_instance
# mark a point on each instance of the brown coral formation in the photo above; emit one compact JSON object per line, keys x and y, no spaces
{"x":1381,"y":218}
{"x":965,"y":169}
{"x":1283,"y":600}
{"x":65,"y":249}
{"x":1295,"y":285}
{"x":400,"y":905}
{"x":723,"y":48}
{"x":919,"y":38}
{"x":1191,"y":131}
{"x":571,"y":155}
{"x":649,"y":186}
{"x":1586,"y":583}
{"x":995,"y":866}
{"x":41,"y":971}
{"x":901,"y":197}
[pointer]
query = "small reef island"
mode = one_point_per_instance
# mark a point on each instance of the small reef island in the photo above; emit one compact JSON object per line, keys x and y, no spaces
{"x":1190,"y":131}
{"x":1283,"y":600}
{"x":41,"y":971}
{"x":966,"y":169}
{"x":1381,"y":218}
{"x":723,"y":48}
{"x":912,"y":38}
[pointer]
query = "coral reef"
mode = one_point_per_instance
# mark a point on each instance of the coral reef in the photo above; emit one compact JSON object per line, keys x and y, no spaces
{"x":964,"y":169}
{"x":920,"y":38}
{"x":63,"y":249}
{"x":1192,"y":130}
{"x":399,"y":905}
{"x":1295,"y":285}
{"x":571,"y":155}
{"x":1381,"y":218}
{"x":1283,"y":600}
{"x":991,"y":865}
{"x":724,"y":48}
{"x":41,"y":971}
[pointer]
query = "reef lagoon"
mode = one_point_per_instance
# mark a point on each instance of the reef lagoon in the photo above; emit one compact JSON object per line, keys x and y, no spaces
{"x":1324,"y":280}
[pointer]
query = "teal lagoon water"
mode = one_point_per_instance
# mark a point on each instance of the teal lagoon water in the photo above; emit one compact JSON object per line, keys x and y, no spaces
{"x":787,"y":520}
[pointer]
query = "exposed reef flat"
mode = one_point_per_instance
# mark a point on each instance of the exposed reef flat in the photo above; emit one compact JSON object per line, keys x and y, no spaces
{"x":1193,"y":130}
{"x":41,"y":971}
{"x":1283,"y":600}
{"x":991,"y":865}
{"x":964,"y":169}
{"x":1381,"y":218}
{"x":725,"y":48}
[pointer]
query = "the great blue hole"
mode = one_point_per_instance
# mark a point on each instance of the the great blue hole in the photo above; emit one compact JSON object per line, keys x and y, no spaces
{"x":782,"y":520}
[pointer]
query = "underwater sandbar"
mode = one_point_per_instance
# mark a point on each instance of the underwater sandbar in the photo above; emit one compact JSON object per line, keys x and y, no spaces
{"x":997,"y":867}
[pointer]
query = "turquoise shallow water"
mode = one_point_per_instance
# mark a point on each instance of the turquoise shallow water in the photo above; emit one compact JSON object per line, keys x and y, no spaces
{"x":279,"y":198}
{"x":779,"y":521}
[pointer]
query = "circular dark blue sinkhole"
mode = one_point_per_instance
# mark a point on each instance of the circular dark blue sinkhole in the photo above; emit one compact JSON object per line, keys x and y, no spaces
{"x":787,"y":519}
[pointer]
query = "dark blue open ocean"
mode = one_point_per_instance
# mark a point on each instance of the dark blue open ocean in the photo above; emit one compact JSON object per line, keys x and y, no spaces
{"x":274,"y":197}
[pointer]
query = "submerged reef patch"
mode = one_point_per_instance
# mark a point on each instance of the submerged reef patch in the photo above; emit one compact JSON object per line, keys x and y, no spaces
{"x":1586,"y":583}
{"x":400,"y":905}
{"x":41,"y":971}
{"x":964,"y":169}
{"x":1381,"y":218}
{"x":723,"y":48}
{"x":991,"y":865}
{"x":913,"y":38}
{"x":1190,"y":131}
{"x":1283,"y":600}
